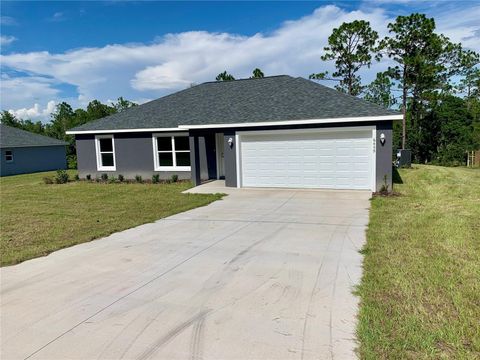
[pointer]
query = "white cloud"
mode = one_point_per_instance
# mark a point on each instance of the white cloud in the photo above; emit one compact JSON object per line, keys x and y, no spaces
{"x":7,"y":21}
{"x":174,"y":61}
{"x":56,"y":17}
{"x":19,"y":91}
{"x":35,"y":112}
{"x":389,"y":2}
{"x":461,"y":26}
{"x":6,"y":40}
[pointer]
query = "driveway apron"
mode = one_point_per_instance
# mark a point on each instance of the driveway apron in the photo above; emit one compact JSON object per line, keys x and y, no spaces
{"x":261,"y":274}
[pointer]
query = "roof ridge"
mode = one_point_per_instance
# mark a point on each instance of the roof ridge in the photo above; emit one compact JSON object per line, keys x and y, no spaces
{"x":278,"y":97}
{"x":176,"y":93}
{"x":244,"y":79}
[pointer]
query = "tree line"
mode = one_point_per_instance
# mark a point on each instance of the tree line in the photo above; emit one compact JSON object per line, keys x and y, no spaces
{"x":64,"y":118}
{"x":433,"y":81}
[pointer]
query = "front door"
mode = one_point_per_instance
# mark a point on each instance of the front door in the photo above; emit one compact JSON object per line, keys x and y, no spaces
{"x":220,"y":147}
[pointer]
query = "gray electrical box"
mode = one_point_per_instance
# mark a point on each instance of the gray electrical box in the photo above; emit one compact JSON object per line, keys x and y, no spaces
{"x":404,"y":158}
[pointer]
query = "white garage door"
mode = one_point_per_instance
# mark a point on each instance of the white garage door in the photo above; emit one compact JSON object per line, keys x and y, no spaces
{"x":328,"y":159}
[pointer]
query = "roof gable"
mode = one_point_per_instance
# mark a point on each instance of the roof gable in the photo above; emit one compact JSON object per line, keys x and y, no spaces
{"x":275,"y":98}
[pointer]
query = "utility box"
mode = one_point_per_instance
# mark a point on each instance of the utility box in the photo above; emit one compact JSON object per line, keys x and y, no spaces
{"x":404,"y":158}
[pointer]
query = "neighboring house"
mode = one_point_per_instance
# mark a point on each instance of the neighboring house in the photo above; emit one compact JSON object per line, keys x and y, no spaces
{"x":25,"y":152}
{"x":276,"y":131}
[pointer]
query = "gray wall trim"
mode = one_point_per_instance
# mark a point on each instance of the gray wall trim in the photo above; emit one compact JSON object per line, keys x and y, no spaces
{"x":203,"y":156}
{"x":208,"y":158}
{"x":195,"y":160}
{"x":133,"y":155}
{"x":383,"y":154}
{"x":33,"y":159}
{"x":230,"y":154}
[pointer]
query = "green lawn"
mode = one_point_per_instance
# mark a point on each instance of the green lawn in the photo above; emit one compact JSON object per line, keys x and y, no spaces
{"x":37,"y":219}
{"x":420,"y":293}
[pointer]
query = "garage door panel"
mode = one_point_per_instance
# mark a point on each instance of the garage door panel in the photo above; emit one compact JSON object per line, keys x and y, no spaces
{"x":339,"y":160}
{"x":344,"y":168}
{"x":310,"y":152}
{"x":295,"y":152}
{"x":325,"y":168}
{"x":360,"y":166}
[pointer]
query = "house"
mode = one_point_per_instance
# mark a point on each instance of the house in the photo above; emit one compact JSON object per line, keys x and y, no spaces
{"x":276,"y":131}
{"x":25,"y":152}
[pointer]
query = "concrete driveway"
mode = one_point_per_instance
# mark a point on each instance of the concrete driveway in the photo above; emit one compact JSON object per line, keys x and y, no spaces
{"x":262,"y":274}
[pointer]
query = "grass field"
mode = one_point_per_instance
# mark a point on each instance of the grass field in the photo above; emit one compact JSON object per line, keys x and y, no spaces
{"x":37,"y":219}
{"x":420,"y":293}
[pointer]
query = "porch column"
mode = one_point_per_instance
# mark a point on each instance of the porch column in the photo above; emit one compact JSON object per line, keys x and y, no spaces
{"x":230,"y":159}
{"x":194,"y":159}
{"x":383,"y":154}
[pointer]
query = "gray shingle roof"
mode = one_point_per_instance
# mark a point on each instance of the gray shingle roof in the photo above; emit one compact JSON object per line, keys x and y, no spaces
{"x":11,"y":137}
{"x":275,"y":98}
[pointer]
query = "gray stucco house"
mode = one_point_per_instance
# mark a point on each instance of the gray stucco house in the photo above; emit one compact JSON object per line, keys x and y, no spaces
{"x":276,"y":131}
{"x":25,"y":152}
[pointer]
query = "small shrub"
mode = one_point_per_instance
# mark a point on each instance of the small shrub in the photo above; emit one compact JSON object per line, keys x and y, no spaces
{"x":48,"y":180}
{"x":72,"y":161}
{"x":76,"y":177}
{"x":112,"y":180}
{"x":121,"y":178}
{"x":138,"y":178}
{"x":174,"y":178}
{"x":88,"y":177}
{"x":61,"y":177}
{"x":155,"y":179}
{"x":104,"y":177}
{"x":384,"y":188}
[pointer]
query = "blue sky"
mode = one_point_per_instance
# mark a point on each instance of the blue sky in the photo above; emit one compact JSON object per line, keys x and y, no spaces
{"x":79,"y":51}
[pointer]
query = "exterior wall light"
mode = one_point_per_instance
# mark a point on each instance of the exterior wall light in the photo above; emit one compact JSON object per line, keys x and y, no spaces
{"x":230,"y":142}
{"x":382,"y":139}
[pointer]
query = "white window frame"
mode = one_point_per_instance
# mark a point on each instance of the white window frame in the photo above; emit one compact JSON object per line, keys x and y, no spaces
{"x":9,"y":161}
{"x":100,"y":167}
{"x":156,"y":159}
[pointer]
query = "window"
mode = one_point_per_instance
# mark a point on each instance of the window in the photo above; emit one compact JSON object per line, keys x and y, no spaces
{"x":171,"y":152}
{"x":8,"y":156}
{"x":105,"y":147}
